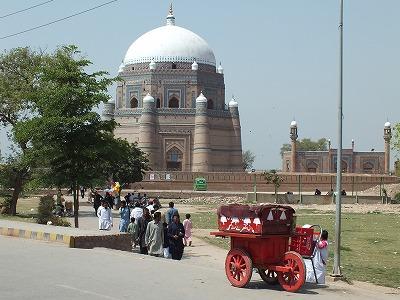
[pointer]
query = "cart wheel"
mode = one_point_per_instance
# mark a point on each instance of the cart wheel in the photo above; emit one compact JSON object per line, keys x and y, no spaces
{"x":293,"y":280}
{"x":269,"y":276}
{"x":238,"y":267}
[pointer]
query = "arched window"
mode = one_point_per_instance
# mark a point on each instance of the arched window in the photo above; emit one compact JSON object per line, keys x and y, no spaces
{"x":158,"y":104}
{"x":173,"y":103}
{"x":312,"y":167}
{"x":210,"y":104}
{"x":174,"y":159}
{"x":368,"y":167}
{"x":134,"y":103}
{"x":173,"y":65}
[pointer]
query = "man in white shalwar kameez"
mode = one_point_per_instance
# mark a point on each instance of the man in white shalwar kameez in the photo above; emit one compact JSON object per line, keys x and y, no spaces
{"x":105,"y":217}
{"x":154,"y":237}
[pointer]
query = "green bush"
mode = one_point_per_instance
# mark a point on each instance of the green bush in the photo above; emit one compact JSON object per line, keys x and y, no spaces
{"x":5,"y":205}
{"x":396,"y":199}
{"x":45,"y":209}
{"x":58,"y":221}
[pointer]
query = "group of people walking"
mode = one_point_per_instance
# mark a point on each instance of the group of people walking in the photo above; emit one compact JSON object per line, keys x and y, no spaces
{"x":155,"y":234}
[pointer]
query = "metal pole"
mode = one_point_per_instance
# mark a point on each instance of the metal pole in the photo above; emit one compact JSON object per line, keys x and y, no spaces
{"x":255,"y":187}
{"x":336,"y":262}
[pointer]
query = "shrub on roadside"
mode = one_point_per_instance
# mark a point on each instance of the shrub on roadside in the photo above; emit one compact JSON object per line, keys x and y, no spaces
{"x":396,"y":199}
{"x":45,"y":209}
{"x":5,"y":205}
{"x":58,"y":221}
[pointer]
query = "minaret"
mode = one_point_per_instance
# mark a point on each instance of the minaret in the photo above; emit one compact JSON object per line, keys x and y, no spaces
{"x":293,"y":137}
{"x":236,"y":148}
{"x":147,"y":131}
{"x":387,"y":136}
{"x":201,"y":147}
{"x":108,"y":110}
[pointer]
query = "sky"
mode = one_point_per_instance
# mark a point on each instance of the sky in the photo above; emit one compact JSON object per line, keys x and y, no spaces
{"x":280,"y":58}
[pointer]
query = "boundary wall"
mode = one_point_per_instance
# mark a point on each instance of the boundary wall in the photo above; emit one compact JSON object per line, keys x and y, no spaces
{"x":244,"y":182}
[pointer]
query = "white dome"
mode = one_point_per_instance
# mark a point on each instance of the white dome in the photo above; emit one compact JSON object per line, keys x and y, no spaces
{"x":201,"y":98}
{"x":170,"y":43}
{"x":220,"y":69}
{"x":195,"y":66}
{"x":233,"y":103}
{"x":152,"y":65}
{"x":148,"y":98}
{"x":387,"y":124}
{"x":293,"y":123}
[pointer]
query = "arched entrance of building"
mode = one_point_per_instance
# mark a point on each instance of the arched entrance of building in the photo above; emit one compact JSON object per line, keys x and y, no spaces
{"x":173,"y":103}
{"x":134,"y":103}
{"x":174,"y":159}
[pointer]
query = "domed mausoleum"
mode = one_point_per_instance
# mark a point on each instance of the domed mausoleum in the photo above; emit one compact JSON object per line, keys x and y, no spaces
{"x":171,"y":101}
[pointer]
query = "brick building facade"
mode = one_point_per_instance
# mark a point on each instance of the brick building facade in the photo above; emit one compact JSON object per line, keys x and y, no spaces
{"x":171,"y":101}
{"x":365,"y":162}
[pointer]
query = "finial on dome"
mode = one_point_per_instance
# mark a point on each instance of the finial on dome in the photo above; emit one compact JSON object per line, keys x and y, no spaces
{"x":220,"y":69}
{"x":170,"y":17}
{"x":195,"y":66}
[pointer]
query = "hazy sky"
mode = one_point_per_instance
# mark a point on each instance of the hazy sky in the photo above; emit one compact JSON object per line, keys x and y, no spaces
{"x":280,"y":58}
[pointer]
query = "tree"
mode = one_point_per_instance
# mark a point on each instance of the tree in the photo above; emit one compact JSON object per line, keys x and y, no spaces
{"x":273,"y":177}
{"x":19,"y":71}
{"x":127,"y":164}
{"x":307,"y":144}
{"x":248,"y":159}
{"x":70,"y":140}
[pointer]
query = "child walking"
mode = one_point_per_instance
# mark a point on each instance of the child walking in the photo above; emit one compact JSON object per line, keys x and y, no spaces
{"x":187,"y":224}
{"x":133,"y":230}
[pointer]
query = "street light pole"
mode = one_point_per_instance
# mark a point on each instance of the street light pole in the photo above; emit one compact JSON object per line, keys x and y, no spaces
{"x":336,"y":262}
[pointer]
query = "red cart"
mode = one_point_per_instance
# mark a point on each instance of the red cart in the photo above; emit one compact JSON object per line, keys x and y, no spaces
{"x":263,"y":237}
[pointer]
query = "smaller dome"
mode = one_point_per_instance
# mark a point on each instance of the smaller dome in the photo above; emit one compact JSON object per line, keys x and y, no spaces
{"x":233,"y":102}
{"x":201,"y":98}
{"x":195,"y":66}
{"x":148,"y":98}
{"x":387,"y":124}
{"x":220,"y":69}
{"x":152,"y":65}
{"x":293,"y":123}
{"x":121,"y":68}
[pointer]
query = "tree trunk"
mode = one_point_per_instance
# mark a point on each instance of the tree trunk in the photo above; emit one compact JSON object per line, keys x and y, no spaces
{"x":76,"y":204}
{"x":15,"y":195}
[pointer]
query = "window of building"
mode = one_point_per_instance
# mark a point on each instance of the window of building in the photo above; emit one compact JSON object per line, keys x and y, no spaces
{"x":173,"y":103}
{"x":173,"y":65}
{"x":210,"y":104}
{"x":368,"y":167}
{"x":158,"y":104}
{"x":312,"y":167}
{"x":134,"y":103}
{"x":174,"y":159}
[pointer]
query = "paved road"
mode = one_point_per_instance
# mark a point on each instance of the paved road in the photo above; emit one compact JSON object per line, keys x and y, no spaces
{"x":39,"y":270}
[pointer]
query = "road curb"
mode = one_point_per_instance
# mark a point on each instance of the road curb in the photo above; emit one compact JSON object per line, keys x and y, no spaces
{"x":37,"y":235}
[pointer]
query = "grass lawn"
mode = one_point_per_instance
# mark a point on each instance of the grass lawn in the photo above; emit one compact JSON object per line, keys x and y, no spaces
{"x":24,"y":212}
{"x":370,"y":243}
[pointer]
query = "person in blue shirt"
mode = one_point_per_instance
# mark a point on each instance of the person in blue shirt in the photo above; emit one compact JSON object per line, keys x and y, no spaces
{"x":124,"y":214}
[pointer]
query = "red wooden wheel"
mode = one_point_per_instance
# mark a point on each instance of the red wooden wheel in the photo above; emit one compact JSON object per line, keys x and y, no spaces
{"x":293,"y":280}
{"x":238,"y":267}
{"x":269,"y":276}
